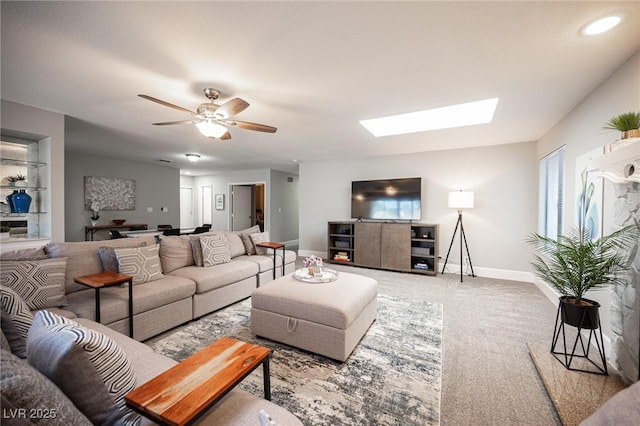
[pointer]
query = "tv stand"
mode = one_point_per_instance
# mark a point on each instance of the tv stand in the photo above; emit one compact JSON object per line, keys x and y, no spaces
{"x":404,"y":247}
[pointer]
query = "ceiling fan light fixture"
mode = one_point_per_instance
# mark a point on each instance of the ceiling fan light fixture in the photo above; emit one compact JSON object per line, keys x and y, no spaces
{"x":192,"y":157}
{"x":211,"y":129}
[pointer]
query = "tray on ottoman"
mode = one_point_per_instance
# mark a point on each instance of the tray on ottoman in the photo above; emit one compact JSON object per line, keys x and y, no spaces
{"x":328,"y":319}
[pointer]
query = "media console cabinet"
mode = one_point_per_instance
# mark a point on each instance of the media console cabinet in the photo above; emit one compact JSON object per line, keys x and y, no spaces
{"x":406,"y":247}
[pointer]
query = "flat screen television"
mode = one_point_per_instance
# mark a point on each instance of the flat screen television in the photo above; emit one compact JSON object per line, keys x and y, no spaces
{"x":386,"y":199}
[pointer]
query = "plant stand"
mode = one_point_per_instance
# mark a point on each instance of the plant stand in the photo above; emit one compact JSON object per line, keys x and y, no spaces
{"x":583,"y":350}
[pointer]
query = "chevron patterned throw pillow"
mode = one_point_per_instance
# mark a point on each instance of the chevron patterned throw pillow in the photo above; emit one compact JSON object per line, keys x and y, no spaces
{"x":40,"y":283}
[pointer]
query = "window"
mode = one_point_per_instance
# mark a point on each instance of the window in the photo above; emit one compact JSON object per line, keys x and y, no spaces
{"x":551,"y":209}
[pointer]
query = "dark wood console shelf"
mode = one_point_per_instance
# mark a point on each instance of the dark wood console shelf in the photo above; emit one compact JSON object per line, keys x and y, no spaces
{"x":406,"y":247}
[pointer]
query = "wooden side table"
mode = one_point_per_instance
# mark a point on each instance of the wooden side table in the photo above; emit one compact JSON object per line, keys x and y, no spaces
{"x":274,"y":247}
{"x":108,"y":279}
{"x":185,"y":391}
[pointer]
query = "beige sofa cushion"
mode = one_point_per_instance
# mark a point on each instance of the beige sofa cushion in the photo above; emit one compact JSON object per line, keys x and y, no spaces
{"x":24,"y":254}
{"x":175,"y":252}
{"x":207,"y":279}
{"x":114,"y":301}
{"x":236,"y":246}
{"x":83,"y":258}
{"x":265,"y":262}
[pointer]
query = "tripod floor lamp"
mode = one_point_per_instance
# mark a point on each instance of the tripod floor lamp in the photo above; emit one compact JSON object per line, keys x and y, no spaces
{"x":460,"y":200}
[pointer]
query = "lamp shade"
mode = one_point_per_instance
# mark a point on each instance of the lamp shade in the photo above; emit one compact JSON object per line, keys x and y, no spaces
{"x":461,"y":200}
{"x":211,"y":129}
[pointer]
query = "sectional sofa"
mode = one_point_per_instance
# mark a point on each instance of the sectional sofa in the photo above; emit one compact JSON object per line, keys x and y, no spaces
{"x":176,"y":279}
{"x":181,"y":292}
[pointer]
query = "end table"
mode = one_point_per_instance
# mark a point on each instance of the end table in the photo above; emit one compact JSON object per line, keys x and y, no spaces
{"x":274,"y":247}
{"x":108,"y":279}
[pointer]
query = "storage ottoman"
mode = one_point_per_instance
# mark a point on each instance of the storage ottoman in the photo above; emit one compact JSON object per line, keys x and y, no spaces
{"x":325,"y":318}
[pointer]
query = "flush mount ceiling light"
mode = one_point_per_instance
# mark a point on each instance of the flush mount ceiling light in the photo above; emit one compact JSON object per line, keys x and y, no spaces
{"x":467,"y":114}
{"x":193,"y":157}
{"x":602,"y":25}
{"x":211,"y":129}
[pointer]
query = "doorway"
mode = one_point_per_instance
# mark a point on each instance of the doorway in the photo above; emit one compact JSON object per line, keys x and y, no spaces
{"x":186,"y":207}
{"x":247,"y":206}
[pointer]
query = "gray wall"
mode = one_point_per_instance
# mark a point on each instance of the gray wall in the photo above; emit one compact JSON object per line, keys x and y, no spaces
{"x":581,"y":131}
{"x":503,"y":178}
{"x":156,"y":186}
{"x":281,"y":219}
{"x":49,"y":126}
{"x":283,"y":206}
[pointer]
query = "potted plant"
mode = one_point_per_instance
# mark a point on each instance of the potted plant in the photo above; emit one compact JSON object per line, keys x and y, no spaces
{"x":627,"y":123}
{"x":17,"y":180}
{"x":574,"y":264}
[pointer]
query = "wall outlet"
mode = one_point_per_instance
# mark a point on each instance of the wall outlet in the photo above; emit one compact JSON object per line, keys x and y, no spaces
{"x":149,"y":209}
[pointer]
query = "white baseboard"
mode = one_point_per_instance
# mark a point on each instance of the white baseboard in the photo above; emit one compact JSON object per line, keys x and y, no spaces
{"x":305,"y":253}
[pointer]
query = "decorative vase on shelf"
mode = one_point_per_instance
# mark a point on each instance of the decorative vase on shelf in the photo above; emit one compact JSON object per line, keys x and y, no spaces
{"x":21,"y":201}
{"x":12,"y":207}
{"x":94,"y":222}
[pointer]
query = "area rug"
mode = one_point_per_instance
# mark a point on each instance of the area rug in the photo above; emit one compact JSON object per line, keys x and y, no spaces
{"x":392,"y":377}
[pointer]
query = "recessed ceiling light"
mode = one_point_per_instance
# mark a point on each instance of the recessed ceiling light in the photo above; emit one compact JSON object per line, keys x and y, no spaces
{"x":193,"y":157}
{"x":467,"y":114}
{"x":602,"y":25}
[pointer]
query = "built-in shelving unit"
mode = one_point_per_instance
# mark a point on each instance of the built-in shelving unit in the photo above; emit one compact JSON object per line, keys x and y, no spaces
{"x":21,"y":158}
{"x":406,"y":247}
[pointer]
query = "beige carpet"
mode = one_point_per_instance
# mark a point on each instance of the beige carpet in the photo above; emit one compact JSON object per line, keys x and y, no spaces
{"x":488,"y":376}
{"x":575,"y":395}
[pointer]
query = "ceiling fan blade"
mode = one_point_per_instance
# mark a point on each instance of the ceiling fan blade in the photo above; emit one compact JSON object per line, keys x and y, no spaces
{"x":167,"y":104}
{"x":232,"y":107}
{"x":225,"y":137}
{"x":252,"y":126}
{"x":169,"y":123}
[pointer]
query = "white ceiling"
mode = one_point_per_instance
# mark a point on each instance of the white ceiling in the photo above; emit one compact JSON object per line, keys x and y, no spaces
{"x":312,"y":69}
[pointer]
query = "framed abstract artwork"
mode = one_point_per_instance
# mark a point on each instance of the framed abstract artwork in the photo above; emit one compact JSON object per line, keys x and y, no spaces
{"x":106,"y":193}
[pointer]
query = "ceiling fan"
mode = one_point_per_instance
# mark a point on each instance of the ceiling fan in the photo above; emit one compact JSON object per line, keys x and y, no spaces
{"x":213,"y":120}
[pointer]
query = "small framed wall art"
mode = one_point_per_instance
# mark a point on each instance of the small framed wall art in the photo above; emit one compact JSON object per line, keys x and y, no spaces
{"x":219,"y":201}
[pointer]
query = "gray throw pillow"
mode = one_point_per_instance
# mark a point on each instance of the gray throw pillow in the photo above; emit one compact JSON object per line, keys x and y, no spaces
{"x":246,"y":239}
{"x":40,"y":283}
{"x":196,"y":248}
{"x":89,"y":367}
{"x":23,"y":387}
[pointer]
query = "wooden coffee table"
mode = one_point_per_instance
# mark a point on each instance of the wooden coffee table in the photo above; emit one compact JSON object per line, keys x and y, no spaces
{"x":184,"y":392}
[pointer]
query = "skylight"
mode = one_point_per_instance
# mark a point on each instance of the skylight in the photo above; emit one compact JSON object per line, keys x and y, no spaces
{"x":467,"y":114}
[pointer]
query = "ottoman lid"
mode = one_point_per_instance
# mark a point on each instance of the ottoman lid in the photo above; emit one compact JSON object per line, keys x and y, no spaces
{"x":335,"y":304}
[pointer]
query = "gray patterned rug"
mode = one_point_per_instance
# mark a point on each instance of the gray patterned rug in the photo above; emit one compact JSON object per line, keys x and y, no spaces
{"x":392,"y":377}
